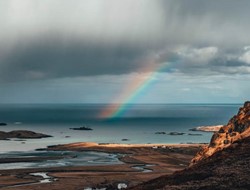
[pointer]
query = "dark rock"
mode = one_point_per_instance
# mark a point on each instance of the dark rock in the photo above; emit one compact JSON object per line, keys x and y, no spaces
{"x":247,"y":104}
{"x":193,"y":129}
{"x":195,"y":134}
{"x":82,"y":128}
{"x":3,"y":124}
{"x":160,"y":133}
{"x":175,"y":133}
{"x":125,"y":139}
{"x":22,"y":134}
{"x":221,"y":130}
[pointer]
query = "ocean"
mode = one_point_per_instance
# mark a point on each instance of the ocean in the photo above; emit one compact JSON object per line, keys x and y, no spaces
{"x":138,"y":124}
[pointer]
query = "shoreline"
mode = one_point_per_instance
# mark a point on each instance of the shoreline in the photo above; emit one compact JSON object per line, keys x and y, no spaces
{"x":140,"y":162}
{"x":124,"y":145}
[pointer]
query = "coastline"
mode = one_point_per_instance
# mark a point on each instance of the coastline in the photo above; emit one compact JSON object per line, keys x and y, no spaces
{"x":122,"y":145}
{"x":141,"y":162}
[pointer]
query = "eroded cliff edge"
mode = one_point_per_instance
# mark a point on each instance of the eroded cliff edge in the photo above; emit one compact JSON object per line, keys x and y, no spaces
{"x":237,"y":129}
{"x":224,"y":164}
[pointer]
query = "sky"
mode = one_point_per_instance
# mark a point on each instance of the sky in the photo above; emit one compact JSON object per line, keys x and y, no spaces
{"x":95,"y":51}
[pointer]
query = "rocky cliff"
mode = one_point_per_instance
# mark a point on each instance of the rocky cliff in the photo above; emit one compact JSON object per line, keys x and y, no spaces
{"x":237,"y":129}
{"x":225,"y":170}
{"x":224,"y":164}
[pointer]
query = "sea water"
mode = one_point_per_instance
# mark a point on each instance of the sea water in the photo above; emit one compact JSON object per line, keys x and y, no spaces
{"x":59,"y":159}
{"x":137,"y":124}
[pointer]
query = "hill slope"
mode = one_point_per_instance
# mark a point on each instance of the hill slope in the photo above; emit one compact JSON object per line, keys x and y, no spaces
{"x":224,"y":164}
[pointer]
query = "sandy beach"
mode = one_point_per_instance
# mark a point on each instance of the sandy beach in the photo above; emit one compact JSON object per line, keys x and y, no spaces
{"x":141,"y":162}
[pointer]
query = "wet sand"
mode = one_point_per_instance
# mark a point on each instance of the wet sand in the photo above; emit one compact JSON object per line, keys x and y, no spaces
{"x":142,"y":162}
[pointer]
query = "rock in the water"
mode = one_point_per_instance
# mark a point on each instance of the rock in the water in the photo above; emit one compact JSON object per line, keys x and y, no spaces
{"x":3,"y":124}
{"x":125,"y":139}
{"x":160,"y":133}
{"x":82,"y":128}
{"x":214,"y":128}
{"x":22,"y":134}
{"x":175,"y":133}
{"x":194,"y":134}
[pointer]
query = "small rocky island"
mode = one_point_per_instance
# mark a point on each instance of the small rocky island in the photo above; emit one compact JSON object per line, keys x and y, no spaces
{"x":21,"y":134}
{"x":81,"y":128}
{"x":214,"y":128}
{"x":176,"y":133}
{"x":160,"y":133}
{"x":171,"y":133}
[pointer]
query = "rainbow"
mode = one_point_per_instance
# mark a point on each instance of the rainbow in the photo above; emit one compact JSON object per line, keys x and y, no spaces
{"x":132,"y":91}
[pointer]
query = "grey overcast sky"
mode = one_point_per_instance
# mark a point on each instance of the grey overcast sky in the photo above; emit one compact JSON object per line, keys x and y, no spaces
{"x":89,"y":51}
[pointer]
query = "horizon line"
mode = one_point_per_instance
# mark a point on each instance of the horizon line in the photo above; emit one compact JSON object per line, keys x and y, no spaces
{"x":122,"y":103}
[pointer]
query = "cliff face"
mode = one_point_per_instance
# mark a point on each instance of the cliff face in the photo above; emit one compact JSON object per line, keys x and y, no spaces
{"x":223,"y":165}
{"x":224,"y":170}
{"x":237,"y":129}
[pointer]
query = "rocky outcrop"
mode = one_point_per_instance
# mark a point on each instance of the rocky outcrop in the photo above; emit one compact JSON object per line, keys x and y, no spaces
{"x":82,"y":128}
{"x":21,"y":134}
{"x":224,"y":170}
{"x":224,"y":164}
{"x":237,"y":129}
{"x":214,"y":128}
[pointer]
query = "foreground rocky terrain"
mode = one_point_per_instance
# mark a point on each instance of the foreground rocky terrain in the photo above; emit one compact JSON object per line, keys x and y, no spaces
{"x":223,"y":164}
{"x":139,"y":163}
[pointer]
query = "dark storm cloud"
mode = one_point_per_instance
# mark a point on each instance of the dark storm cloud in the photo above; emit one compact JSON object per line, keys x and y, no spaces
{"x":206,"y":61}
{"x":211,"y":61}
{"x":53,"y":59}
{"x":93,"y":37}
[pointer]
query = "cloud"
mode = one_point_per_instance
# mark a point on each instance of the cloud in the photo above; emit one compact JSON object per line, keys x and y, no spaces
{"x":90,"y":20}
{"x":245,"y":57}
{"x":52,"y":59}
{"x":209,"y":60}
{"x":96,"y":37}
{"x":198,"y":55}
